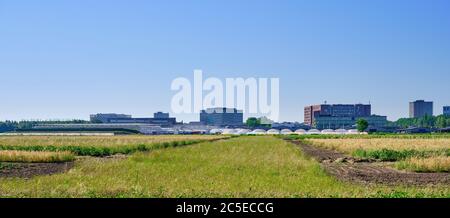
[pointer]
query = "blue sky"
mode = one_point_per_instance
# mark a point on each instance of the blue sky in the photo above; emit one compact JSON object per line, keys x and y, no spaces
{"x":68,"y":59}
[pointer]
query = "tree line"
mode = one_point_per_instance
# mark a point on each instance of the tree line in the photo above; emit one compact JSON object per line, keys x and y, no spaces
{"x":427,"y":121}
{"x":9,"y":126}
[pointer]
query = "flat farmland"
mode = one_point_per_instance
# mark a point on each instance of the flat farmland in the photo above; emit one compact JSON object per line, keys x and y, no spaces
{"x":101,"y":141}
{"x":246,"y":166}
{"x":99,"y":145}
{"x":350,"y":145}
{"x":413,"y":154}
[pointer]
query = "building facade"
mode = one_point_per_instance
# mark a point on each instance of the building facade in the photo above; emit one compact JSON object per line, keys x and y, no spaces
{"x":161,"y":115}
{"x":333,"y":122}
{"x":420,"y":108}
{"x":336,"y":110}
{"x":376,"y":121}
{"x":313,"y":111}
{"x":330,"y":122}
{"x":101,"y":127}
{"x":159,"y":118}
{"x":105,"y":118}
{"x":222,"y":117}
{"x":446,"y":110}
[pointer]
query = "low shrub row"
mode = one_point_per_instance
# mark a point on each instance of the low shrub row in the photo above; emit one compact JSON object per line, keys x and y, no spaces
{"x":6,"y":165}
{"x":432,"y":164}
{"x":393,"y":155}
{"x":369,"y":136}
{"x":99,"y":151}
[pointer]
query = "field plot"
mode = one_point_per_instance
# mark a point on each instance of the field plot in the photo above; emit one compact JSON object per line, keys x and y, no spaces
{"x":251,"y":166}
{"x":420,"y":155}
{"x":372,"y":144}
{"x":36,"y":156}
{"x":98,"y":145}
{"x":28,"y":156}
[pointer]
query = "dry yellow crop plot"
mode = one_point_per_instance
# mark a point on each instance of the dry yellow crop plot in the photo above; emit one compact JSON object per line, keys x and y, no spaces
{"x":101,"y":141}
{"x":370,"y":144}
{"x":36,"y":156}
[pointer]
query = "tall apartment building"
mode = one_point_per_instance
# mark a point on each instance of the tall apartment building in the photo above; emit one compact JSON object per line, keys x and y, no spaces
{"x":447,"y":110}
{"x":420,"y":108}
{"x":222,"y":117}
{"x":336,"y":110}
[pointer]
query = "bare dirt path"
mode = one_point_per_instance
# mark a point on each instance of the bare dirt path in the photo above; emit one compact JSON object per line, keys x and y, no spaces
{"x":28,"y":170}
{"x":352,"y":169}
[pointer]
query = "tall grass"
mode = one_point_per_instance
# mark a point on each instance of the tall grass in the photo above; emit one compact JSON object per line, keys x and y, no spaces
{"x":396,"y":155}
{"x":98,"y":146}
{"x":351,"y":145}
{"x":413,"y":154}
{"x":432,"y":164}
{"x":370,"y":136}
{"x":100,"y":141}
{"x":35,"y":156}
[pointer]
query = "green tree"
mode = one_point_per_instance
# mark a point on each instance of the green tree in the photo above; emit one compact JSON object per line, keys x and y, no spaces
{"x":427,"y":121}
{"x":252,"y":122}
{"x":441,"y":121}
{"x":8,"y":126}
{"x":362,"y":125}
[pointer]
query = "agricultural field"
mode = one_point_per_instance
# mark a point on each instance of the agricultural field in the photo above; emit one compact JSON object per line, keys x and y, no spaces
{"x":36,"y":156}
{"x":30,"y":156}
{"x":246,"y":166}
{"x":352,"y":145}
{"x":415,"y":154}
{"x":98,"y":145}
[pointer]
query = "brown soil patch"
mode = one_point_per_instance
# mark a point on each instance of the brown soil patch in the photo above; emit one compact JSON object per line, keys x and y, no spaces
{"x":352,"y":169}
{"x":28,"y":170}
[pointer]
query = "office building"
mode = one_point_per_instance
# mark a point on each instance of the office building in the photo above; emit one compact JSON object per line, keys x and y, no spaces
{"x":222,"y":117}
{"x":330,"y":122}
{"x":103,"y":127}
{"x":420,"y":108}
{"x":289,"y":125}
{"x":375,"y":120}
{"x":159,"y":118}
{"x":333,"y":122}
{"x":311,"y":112}
{"x":336,"y":110}
{"x":161,"y":115}
{"x":105,"y":118}
{"x":447,"y":110}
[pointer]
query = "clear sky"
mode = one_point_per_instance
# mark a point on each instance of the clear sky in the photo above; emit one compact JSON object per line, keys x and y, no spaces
{"x":68,"y":59}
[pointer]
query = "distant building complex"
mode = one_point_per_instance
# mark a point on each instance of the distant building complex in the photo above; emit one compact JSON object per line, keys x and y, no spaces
{"x":148,"y":129}
{"x":222,"y":117}
{"x":159,"y":118}
{"x":335,"y":116}
{"x":447,"y":110}
{"x":105,"y":118}
{"x":289,"y":125}
{"x":319,"y":119}
{"x":420,"y":108}
{"x":335,"y":110}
